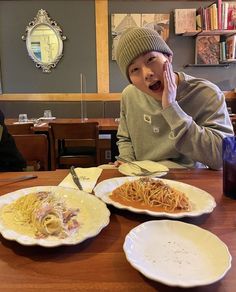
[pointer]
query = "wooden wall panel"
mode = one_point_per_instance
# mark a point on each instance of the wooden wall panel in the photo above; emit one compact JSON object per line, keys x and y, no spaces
{"x":101,"y":8}
{"x":60,"y":96}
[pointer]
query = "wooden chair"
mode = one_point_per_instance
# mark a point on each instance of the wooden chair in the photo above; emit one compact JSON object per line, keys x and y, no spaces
{"x":34,"y":148}
{"x":74,"y":144}
{"x":20,"y":129}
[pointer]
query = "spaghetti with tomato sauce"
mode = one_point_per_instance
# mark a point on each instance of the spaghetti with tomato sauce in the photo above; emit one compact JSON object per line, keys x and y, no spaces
{"x":151,"y":194}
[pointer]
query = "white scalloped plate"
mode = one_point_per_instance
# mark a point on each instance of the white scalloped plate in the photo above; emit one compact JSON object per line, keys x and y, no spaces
{"x":93,"y":216}
{"x":177,"y":253}
{"x":202,"y":202}
{"x":130,"y":170}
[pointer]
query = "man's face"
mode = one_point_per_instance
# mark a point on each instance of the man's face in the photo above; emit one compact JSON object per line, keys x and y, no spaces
{"x":146,"y":73}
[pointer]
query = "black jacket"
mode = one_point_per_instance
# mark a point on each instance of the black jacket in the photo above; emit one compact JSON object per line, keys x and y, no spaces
{"x":10,"y":157}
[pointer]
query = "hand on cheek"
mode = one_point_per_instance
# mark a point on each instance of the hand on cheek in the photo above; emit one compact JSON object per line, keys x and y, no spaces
{"x":169,"y":92}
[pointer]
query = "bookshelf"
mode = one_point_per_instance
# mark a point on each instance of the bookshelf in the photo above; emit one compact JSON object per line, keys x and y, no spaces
{"x":226,"y":65}
{"x":214,"y":30}
{"x":224,"y":32}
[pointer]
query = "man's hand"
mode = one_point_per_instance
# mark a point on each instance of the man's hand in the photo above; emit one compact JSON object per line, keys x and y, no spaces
{"x":170,"y":88}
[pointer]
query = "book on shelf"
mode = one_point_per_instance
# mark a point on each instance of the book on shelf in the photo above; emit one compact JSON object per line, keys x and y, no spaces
{"x":211,"y":17}
{"x":231,"y":48}
{"x":185,"y":20}
{"x":207,"y":49}
{"x":214,"y":16}
{"x":200,"y":18}
{"x":225,"y":6}
{"x":223,"y":51}
{"x":231,"y":21}
{"x":219,"y":13}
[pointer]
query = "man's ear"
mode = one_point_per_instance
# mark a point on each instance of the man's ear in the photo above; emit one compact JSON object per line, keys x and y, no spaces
{"x":169,"y":57}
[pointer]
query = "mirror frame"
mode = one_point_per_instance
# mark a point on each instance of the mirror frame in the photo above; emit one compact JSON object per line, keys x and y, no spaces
{"x":43,"y":18}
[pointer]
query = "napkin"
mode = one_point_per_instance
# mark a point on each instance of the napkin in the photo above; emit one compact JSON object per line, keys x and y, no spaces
{"x":87,"y":176}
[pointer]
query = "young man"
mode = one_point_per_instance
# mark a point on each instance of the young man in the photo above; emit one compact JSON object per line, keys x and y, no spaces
{"x":167,"y":115}
{"x":10,"y":158}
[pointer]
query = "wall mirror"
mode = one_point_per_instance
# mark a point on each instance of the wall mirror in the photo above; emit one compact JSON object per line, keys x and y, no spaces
{"x":44,"y":41}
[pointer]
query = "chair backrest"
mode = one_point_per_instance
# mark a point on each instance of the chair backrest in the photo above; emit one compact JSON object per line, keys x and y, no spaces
{"x":20,"y":129}
{"x":74,"y":144}
{"x":34,"y":148}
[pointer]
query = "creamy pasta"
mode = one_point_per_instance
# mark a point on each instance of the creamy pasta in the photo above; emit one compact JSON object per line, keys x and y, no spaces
{"x":46,"y":213}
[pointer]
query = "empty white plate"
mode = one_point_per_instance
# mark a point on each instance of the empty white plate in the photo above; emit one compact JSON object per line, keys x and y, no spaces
{"x":177,"y":253}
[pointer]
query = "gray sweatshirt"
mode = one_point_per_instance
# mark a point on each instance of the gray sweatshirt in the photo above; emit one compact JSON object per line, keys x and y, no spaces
{"x":188,"y":132}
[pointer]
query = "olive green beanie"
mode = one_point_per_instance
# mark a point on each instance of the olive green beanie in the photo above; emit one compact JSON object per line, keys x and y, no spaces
{"x":136,"y":41}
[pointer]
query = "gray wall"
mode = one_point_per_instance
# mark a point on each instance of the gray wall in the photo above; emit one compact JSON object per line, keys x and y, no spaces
{"x":71,"y":109}
{"x":19,"y":74}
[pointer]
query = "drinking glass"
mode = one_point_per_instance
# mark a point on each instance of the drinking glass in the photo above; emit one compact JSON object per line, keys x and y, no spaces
{"x":229,"y":167}
{"x":22,"y":118}
{"x":47,"y":114}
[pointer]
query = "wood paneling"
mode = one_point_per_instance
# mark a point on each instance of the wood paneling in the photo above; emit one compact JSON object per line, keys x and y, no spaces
{"x":102,"y":45}
{"x":60,"y":97}
{"x":229,"y":95}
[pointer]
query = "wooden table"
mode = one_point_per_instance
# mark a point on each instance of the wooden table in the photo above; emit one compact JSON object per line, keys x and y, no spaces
{"x":106,"y":126}
{"x":99,"y":264}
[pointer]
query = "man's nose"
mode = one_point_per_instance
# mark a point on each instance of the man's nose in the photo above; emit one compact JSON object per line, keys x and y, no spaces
{"x":148,"y":74}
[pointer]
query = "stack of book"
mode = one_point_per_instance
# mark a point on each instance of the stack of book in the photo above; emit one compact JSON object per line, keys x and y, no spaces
{"x":210,"y":49}
{"x":217,"y":16}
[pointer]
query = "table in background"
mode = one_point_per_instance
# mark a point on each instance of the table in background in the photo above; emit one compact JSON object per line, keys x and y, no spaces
{"x":99,"y":264}
{"x":106,"y":126}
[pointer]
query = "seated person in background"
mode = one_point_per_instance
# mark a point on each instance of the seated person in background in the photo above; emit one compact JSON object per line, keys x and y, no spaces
{"x":10,"y":157}
{"x":167,"y":115}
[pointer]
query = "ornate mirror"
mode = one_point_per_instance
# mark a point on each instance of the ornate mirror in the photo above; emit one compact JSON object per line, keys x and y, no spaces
{"x":44,"y":41}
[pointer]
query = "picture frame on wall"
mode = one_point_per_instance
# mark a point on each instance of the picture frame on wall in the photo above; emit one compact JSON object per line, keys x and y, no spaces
{"x":120,"y":22}
{"x":207,"y":49}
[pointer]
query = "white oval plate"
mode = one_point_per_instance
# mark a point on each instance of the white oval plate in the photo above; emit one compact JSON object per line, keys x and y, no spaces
{"x":93,"y":216}
{"x":202,"y":202}
{"x":129,"y":169}
{"x":177,"y":253}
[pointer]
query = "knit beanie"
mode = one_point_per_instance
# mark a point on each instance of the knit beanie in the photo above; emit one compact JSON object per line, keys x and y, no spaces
{"x":136,"y":41}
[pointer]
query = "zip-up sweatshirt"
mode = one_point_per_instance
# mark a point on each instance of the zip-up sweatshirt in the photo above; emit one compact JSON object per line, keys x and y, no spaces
{"x":188,"y":132}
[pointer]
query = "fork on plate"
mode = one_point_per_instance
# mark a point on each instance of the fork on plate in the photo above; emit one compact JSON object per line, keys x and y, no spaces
{"x":143,"y":171}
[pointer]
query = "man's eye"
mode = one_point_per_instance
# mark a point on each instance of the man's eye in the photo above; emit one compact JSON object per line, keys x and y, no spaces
{"x":151,"y":59}
{"x":133,"y":70}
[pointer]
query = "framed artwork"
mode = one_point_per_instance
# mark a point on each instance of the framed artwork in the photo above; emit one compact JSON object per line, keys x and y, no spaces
{"x":207,"y":50}
{"x":120,"y":22}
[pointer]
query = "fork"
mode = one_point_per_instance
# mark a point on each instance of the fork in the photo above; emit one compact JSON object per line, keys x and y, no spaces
{"x":144,"y":171}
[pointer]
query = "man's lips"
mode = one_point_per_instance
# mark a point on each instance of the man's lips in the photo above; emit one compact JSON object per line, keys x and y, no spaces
{"x":155,"y":86}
